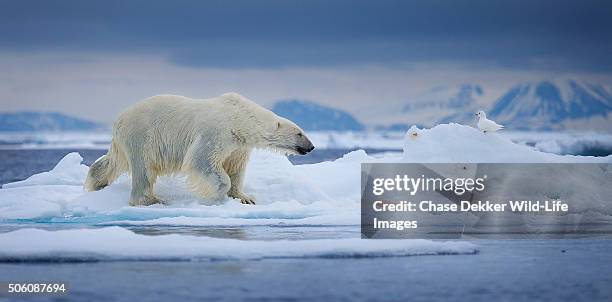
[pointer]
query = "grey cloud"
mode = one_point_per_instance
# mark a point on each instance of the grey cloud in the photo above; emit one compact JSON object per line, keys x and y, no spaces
{"x":572,"y":35}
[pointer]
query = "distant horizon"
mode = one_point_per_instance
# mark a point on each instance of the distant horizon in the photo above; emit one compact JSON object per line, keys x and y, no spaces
{"x":418,"y":96}
{"x":306,"y":118}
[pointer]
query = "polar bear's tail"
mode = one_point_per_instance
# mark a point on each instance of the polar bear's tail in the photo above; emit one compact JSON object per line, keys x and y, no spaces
{"x":105,"y":170}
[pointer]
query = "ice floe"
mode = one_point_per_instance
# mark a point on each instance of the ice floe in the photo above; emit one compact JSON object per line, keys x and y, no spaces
{"x":119,"y":244}
{"x":296,"y":194}
{"x":326,"y":193}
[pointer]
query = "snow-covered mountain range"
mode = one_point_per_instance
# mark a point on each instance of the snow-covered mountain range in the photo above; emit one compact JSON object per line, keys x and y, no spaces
{"x":444,"y":97}
{"x":427,"y":108}
{"x":549,"y":104}
{"x":313,"y":116}
{"x":540,"y":105}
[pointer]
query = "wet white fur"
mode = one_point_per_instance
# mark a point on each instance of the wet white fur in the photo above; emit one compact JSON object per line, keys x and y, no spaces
{"x":209,"y":140}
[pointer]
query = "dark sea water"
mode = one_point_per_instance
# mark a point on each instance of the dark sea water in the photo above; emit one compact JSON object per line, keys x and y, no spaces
{"x":503,"y":270}
{"x":509,"y":270}
{"x":20,"y":164}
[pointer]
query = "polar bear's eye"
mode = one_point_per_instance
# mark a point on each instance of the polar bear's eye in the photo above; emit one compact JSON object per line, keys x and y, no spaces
{"x":277,"y":125}
{"x":300,"y":134}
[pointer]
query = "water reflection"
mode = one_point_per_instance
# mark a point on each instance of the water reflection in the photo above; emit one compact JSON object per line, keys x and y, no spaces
{"x":216,"y":232}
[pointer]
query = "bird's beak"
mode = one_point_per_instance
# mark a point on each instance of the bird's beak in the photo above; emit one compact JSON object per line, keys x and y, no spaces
{"x":475,"y":113}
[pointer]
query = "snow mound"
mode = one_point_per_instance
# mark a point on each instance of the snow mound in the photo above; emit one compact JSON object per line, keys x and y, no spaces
{"x":93,"y":245}
{"x":68,"y":171}
{"x":454,"y":143}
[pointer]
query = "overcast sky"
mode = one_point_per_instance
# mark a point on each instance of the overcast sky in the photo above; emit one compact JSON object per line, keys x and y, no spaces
{"x":93,"y":58}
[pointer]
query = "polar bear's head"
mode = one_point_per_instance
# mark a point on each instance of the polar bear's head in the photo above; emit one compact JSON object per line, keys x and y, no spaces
{"x":262,"y":128}
{"x":287,"y":137}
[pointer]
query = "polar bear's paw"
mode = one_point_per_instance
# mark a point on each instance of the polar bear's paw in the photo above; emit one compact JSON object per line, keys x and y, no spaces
{"x":247,"y":200}
{"x":244,"y":199}
{"x":144,"y":201}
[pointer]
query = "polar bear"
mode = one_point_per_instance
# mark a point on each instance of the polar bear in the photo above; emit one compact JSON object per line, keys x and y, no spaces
{"x":208,"y":140}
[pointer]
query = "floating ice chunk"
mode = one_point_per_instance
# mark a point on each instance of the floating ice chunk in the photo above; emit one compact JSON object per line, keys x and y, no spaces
{"x":357,"y":156}
{"x":116,"y":243}
{"x":334,"y":219}
{"x":339,"y":179}
{"x":272,"y":177}
{"x":69,"y":171}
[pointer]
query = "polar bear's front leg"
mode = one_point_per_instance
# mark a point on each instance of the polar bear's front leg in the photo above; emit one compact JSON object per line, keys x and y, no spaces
{"x":208,"y":180}
{"x":235,"y":166}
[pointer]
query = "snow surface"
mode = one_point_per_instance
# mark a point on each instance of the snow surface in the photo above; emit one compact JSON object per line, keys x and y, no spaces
{"x":454,"y":143}
{"x":115,"y":243}
{"x":285,"y":192}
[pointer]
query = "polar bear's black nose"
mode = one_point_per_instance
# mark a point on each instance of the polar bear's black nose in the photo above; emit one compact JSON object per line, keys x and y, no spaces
{"x":304,"y":151}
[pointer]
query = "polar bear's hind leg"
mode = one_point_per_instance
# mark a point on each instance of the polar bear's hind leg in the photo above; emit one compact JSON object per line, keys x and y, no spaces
{"x":143,"y":180}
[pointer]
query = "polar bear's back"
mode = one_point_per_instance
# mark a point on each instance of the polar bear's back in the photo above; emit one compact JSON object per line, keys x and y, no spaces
{"x":162,"y":128}
{"x":164,"y":109}
{"x":172,"y":114}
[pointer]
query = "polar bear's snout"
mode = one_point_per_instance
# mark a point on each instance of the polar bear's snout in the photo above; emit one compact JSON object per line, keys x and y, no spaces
{"x":304,"y":145}
{"x":290,"y":138}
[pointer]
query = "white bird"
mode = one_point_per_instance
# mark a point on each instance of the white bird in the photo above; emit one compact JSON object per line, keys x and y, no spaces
{"x":485,"y":124}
